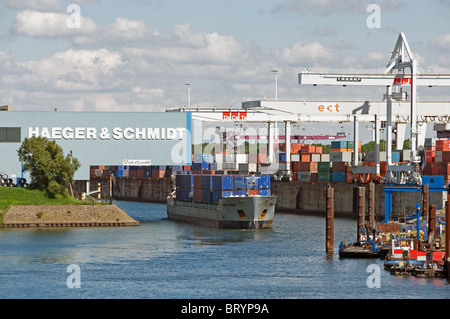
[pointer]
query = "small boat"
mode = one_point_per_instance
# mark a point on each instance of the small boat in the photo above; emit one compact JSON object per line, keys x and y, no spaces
{"x":362,"y":250}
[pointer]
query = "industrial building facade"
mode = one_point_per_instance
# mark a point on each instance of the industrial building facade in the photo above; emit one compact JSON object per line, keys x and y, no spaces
{"x":100,"y":138}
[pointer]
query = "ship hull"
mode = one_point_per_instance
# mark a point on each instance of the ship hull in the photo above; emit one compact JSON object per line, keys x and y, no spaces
{"x":249,"y":212}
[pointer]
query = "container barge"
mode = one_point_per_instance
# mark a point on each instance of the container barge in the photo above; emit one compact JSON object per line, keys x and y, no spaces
{"x":232,"y":201}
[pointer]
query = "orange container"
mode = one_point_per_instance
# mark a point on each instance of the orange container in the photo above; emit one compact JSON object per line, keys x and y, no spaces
{"x":305,"y":157}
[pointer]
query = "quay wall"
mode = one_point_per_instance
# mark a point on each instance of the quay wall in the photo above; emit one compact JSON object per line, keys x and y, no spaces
{"x":294,"y":197}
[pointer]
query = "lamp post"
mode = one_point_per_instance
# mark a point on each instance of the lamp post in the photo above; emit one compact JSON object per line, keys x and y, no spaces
{"x":275,"y":71}
{"x":188,"y":84}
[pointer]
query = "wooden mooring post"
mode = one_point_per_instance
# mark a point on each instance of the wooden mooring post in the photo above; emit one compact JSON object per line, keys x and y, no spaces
{"x":329,"y":219}
{"x":425,"y":200}
{"x":447,"y":236}
{"x":359,"y":208}
{"x":371,"y":204}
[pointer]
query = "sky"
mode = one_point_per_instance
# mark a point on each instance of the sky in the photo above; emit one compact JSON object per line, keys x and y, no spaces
{"x":137,"y":55}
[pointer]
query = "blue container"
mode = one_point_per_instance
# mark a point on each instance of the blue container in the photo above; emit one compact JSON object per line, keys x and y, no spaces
{"x":264,"y":192}
{"x":222,"y":182}
{"x":264,"y":182}
{"x":251,"y":182}
{"x":433,"y":181}
{"x":217,"y":195}
{"x":239,"y":192}
{"x":213,"y":166}
{"x":187,"y":181}
{"x":338,"y":177}
{"x":206,"y":181}
{"x":395,"y":156}
{"x":120,"y":173}
{"x":239,"y":181}
{"x":282,"y":157}
{"x":206,"y":196}
{"x":339,"y":144}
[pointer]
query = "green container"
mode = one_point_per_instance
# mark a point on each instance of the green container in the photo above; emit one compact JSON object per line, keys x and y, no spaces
{"x":350,"y":144}
{"x":324,"y":177}
{"x":324,"y":166}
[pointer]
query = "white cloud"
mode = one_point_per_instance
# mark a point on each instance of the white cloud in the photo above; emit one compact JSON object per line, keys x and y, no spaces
{"x":37,"y":24}
{"x":38,"y":5}
{"x":441,"y":42}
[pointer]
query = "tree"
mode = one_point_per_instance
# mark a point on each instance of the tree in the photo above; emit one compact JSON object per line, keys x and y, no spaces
{"x":49,"y":169}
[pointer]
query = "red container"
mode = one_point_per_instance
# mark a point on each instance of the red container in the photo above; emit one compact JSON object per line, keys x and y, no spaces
{"x":308,"y":149}
{"x":132,"y":173}
{"x":197,"y":194}
{"x":444,"y":169}
{"x":443,"y":145}
{"x":445,"y":156}
{"x":157,"y":173}
{"x":429,"y":156}
{"x":198,"y":182}
{"x":339,"y":167}
{"x":435,"y":168}
{"x":308,"y":167}
{"x":252,"y":192}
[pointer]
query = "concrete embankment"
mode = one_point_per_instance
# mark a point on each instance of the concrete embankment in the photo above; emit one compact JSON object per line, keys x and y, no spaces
{"x":22,"y":216}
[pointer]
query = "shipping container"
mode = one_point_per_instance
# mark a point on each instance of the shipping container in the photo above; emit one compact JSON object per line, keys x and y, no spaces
{"x":339,"y":177}
{"x":443,"y":145}
{"x":315,"y":157}
{"x":197,"y":195}
{"x":339,"y":144}
{"x":251,"y":182}
{"x":305,"y":149}
{"x":309,"y":167}
{"x":218,"y":194}
{"x":206,"y":196}
{"x":295,"y":157}
{"x":305,"y":157}
{"x":239,"y":192}
{"x":324,"y":176}
{"x":340,"y":167}
{"x":341,"y":156}
{"x":325,"y":158}
{"x":324,"y":166}
{"x":158,"y":173}
{"x":248,"y":167}
{"x":264,"y":192}
{"x":264,"y":182}
{"x":205,"y":181}
{"x":222,"y":182}
{"x":238,"y":182}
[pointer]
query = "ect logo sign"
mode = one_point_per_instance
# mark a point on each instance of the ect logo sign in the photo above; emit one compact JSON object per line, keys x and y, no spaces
{"x":234,"y":115}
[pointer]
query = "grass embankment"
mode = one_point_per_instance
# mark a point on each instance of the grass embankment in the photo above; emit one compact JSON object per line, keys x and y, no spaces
{"x":10,"y":196}
{"x":19,"y":206}
{"x":22,"y":196}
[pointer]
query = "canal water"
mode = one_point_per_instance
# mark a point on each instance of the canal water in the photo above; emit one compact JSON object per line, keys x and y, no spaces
{"x":163,"y":259}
